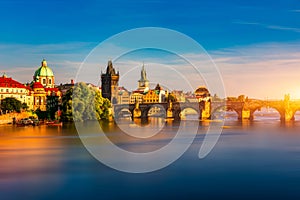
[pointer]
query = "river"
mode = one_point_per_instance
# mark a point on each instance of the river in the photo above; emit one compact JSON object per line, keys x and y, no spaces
{"x":252,"y":160}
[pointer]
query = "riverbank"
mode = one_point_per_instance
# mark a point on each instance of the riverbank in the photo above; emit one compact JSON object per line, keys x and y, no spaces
{"x":8,"y":118}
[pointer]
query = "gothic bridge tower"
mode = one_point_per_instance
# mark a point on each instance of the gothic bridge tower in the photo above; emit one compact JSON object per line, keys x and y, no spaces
{"x":109,"y":83}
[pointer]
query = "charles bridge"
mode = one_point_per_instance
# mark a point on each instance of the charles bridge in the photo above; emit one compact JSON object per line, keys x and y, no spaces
{"x":244,"y":108}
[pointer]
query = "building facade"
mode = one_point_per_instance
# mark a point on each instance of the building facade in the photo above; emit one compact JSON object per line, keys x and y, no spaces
{"x":41,"y":93}
{"x":123,"y":96}
{"x":45,"y":95}
{"x":143,"y":94}
{"x":12,"y":88}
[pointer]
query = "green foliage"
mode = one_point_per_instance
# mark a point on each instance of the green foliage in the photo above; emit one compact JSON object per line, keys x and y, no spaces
{"x":41,"y":114}
{"x":10,"y":104}
{"x":83,"y":103}
{"x":24,"y":106}
{"x":67,"y":106}
{"x":171,"y":98}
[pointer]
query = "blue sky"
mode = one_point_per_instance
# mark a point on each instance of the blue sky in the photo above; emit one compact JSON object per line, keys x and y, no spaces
{"x":243,"y":37}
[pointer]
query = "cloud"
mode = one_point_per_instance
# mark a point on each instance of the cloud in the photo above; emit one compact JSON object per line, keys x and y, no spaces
{"x":259,"y":70}
{"x":21,"y":60}
{"x":262,"y":70}
{"x":269,"y":26}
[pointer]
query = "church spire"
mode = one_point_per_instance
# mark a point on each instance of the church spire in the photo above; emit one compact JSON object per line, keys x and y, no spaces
{"x":143,"y":74}
{"x":143,"y":82}
{"x":110,"y":70}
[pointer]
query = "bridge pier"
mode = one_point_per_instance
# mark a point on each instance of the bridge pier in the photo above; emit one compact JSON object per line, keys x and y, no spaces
{"x":144,"y":113}
{"x":287,"y":115}
{"x":246,"y":114}
{"x":170,"y":110}
{"x":204,"y":110}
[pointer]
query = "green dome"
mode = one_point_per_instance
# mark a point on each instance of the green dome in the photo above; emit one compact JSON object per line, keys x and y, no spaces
{"x":43,"y":70}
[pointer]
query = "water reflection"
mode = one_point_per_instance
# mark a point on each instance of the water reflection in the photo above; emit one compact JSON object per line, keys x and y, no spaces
{"x":51,"y":163}
{"x":135,"y":136}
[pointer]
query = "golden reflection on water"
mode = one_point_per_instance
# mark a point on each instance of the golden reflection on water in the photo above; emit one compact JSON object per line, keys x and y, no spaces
{"x":158,"y":131}
{"x":31,"y":151}
{"x":155,"y":132}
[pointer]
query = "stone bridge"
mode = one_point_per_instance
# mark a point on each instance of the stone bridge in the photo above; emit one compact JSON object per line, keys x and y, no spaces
{"x":172,"y":110}
{"x":244,"y":108}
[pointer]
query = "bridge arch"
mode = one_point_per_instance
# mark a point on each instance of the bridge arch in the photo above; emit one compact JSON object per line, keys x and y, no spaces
{"x":157,"y":109}
{"x":297,"y":114}
{"x":118,"y":113}
{"x":181,"y":114}
{"x":255,"y":110}
{"x":295,"y":111}
{"x":227,"y":108}
{"x":278,"y":109}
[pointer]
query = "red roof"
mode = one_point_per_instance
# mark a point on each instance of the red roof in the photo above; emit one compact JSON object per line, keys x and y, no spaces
{"x":37,"y":85}
{"x":51,"y":89}
{"x":10,"y":83}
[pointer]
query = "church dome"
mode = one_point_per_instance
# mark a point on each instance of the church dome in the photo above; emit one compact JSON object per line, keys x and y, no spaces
{"x":43,"y":70}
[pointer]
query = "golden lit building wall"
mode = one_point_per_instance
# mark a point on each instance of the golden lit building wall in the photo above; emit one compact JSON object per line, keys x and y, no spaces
{"x":151,"y":97}
{"x":136,"y":97}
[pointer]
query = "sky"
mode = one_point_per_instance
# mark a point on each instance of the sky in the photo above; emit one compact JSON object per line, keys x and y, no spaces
{"x":254,"y":44}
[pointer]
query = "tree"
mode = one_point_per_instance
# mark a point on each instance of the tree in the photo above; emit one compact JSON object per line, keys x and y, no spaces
{"x":67,"y":106}
{"x":41,"y":114}
{"x":10,"y":104}
{"x":171,"y":98}
{"x":83,"y":103}
{"x":24,"y":106}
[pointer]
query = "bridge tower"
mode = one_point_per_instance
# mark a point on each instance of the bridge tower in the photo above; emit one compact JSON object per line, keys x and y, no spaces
{"x":109,"y":83}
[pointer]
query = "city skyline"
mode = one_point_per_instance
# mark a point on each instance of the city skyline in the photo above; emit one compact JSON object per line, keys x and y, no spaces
{"x":254,"y":44}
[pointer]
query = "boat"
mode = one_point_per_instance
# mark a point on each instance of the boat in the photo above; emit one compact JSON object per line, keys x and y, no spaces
{"x":54,"y":123}
{"x":28,"y":121}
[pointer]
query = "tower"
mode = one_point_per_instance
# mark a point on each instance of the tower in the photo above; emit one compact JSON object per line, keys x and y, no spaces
{"x":143,"y":82}
{"x":109,"y":83}
{"x":44,"y":75}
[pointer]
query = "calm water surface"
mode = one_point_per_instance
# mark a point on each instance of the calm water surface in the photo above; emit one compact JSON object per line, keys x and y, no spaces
{"x":259,"y":159}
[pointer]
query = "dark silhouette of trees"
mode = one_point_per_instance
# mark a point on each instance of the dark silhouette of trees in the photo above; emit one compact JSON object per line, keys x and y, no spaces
{"x":10,"y":104}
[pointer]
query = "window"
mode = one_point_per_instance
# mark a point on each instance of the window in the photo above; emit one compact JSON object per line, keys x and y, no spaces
{"x":7,"y":90}
{"x":44,"y":81}
{"x":49,"y":81}
{"x":1,"y":90}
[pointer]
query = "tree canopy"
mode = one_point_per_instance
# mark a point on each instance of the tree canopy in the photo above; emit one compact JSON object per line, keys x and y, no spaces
{"x":10,"y":104}
{"x":83,"y":103}
{"x":171,"y":98}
